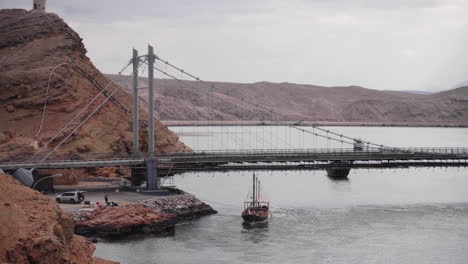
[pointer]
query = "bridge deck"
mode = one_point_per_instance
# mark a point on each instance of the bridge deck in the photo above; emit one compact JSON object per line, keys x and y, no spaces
{"x":374,"y":157}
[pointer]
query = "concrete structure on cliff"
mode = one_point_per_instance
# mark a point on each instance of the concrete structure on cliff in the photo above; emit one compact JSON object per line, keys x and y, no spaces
{"x":39,"y":5}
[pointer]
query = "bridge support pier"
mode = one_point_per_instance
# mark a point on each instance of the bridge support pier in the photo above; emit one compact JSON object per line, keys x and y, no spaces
{"x":338,"y":172}
{"x":152,"y":183}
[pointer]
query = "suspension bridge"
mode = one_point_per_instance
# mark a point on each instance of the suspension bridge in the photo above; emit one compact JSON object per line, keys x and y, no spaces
{"x":283,"y":145}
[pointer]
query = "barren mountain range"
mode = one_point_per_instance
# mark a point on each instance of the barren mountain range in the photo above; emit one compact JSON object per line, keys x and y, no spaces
{"x":343,"y":104}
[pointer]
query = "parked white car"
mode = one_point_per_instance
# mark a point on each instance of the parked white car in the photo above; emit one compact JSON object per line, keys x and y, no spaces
{"x":71,"y":197}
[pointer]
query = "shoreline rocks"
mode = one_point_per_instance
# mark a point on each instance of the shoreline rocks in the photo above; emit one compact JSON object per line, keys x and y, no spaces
{"x":185,"y":206}
{"x":119,"y":222}
{"x":152,"y":217}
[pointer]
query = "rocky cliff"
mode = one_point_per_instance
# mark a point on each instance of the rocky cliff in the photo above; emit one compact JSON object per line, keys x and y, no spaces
{"x":43,"y":62}
{"x":35,"y":230}
{"x":305,"y":102}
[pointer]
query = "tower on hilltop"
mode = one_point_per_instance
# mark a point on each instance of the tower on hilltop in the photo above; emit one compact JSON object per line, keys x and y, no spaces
{"x":39,"y":5}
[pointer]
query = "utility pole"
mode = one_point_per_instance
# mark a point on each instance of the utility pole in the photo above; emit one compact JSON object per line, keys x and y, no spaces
{"x":151,"y":166}
{"x":136,"y":150}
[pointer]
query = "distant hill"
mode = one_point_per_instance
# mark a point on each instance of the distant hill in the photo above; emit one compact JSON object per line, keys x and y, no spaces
{"x":409,"y":91}
{"x":305,"y":102}
{"x":463,"y":84}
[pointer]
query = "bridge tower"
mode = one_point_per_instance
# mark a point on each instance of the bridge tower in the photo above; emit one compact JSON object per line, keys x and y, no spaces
{"x":138,"y":173}
{"x":151,"y":164}
{"x":135,"y":62}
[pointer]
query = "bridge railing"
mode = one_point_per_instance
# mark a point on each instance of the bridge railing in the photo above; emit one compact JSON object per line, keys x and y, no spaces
{"x":436,"y":150}
{"x":249,"y":152}
{"x":411,"y":150}
{"x":61,"y":157}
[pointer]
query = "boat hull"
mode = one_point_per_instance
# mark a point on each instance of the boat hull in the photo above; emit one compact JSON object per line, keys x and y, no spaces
{"x":250,"y":218}
{"x":255,"y":214}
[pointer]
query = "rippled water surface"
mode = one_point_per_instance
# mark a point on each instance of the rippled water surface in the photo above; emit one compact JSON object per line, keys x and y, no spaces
{"x":378,"y":216}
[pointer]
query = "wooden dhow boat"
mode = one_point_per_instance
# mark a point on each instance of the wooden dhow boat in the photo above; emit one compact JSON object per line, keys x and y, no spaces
{"x":256,"y":210}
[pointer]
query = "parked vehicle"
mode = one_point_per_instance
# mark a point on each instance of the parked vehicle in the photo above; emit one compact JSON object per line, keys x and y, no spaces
{"x":71,"y":197}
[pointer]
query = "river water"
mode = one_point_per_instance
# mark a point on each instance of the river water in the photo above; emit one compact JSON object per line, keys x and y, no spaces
{"x":378,"y":216}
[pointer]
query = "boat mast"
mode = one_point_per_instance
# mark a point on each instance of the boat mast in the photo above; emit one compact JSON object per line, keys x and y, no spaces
{"x":254,"y":193}
{"x":258,"y":187}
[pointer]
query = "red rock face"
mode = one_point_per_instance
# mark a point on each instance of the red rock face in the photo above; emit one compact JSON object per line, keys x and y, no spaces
{"x":31,"y":46}
{"x":35,"y":230}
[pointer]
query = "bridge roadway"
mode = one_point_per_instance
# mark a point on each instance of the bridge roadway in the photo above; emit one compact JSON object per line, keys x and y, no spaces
{"x":273,"y":159}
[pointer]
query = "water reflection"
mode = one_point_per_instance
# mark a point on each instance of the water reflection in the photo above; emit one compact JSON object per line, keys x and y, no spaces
{"x":258,"y":225}
{"x":340,"y":186}
{"x":255,"y":233}
{"x":338,"y":180}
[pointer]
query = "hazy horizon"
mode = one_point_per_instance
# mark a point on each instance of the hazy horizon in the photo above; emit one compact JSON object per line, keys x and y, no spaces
{"x":397,"y":45}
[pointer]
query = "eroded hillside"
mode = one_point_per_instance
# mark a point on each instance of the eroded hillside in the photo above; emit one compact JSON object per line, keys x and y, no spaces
{"x":31,"y":46}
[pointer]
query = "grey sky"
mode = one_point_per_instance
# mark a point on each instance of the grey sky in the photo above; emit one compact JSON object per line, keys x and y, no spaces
{"x":378,"y":44}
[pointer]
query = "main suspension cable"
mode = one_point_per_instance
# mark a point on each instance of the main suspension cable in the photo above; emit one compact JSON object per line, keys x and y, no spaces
{"x":46,"y":98}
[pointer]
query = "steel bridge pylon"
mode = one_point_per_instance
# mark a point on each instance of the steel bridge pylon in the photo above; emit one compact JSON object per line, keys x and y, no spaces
{"x":151,"y":171}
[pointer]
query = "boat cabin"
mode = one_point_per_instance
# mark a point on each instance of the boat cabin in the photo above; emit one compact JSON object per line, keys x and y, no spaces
{"x":257,"y":204}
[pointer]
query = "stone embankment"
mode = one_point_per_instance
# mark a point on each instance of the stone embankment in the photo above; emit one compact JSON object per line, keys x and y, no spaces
{"x":156,"y":216}
{"x":35,"y":230}
{"x":185,"y":206}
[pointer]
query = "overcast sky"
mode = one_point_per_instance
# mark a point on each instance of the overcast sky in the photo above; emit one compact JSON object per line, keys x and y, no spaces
{"x":378,"y":44}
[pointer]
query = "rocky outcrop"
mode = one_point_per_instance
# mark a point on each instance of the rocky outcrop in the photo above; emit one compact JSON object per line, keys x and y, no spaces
{"x":119,"y":222}
{"x":38,"y":47}
{"x":156,"y":216}
{"x":184,"y":206}
{"x":35,"y":230}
